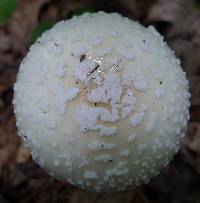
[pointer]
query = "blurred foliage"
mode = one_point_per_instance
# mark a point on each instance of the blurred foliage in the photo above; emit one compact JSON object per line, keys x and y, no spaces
{"x":80,"y":11}
{"x":197,"y":2}
{"x":46,"y":25}
{"x":7,"y":7}
{"x":41,"y":27}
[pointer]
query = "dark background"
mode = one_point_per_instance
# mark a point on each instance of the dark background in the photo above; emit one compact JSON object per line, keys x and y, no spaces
{"x":21,"y":180}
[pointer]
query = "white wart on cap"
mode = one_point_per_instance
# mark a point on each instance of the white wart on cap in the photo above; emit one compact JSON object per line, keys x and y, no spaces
{"x":101,"y":102}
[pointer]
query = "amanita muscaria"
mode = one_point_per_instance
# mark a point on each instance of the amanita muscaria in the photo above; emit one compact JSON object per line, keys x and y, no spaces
{"x":101,"y":102}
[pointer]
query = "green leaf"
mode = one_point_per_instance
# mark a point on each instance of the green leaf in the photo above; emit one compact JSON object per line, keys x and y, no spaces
{"x":80,"y":11}
{"x":41,"y":27}
{"x":7,"y":7}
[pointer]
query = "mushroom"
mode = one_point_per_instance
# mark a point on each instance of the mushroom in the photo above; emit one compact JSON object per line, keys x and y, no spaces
{"x":101,"y":102}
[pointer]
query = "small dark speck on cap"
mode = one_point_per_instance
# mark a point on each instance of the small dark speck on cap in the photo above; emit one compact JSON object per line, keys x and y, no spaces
{"x":82,"y":58}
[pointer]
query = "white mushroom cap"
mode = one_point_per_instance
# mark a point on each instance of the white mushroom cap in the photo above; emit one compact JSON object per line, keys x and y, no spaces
{"x":101,"y":102}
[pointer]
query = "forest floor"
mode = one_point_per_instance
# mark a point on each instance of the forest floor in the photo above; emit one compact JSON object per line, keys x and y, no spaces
{"x":23,"y":181}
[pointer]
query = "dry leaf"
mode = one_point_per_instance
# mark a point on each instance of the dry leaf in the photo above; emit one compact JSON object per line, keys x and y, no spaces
{"x":5,"y":42}
{"x":192,"y":146}
{"x":192,"y":141}
{"x":170,"y":11}
{"x":22,"y":23}
{"x":23,"y":155}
